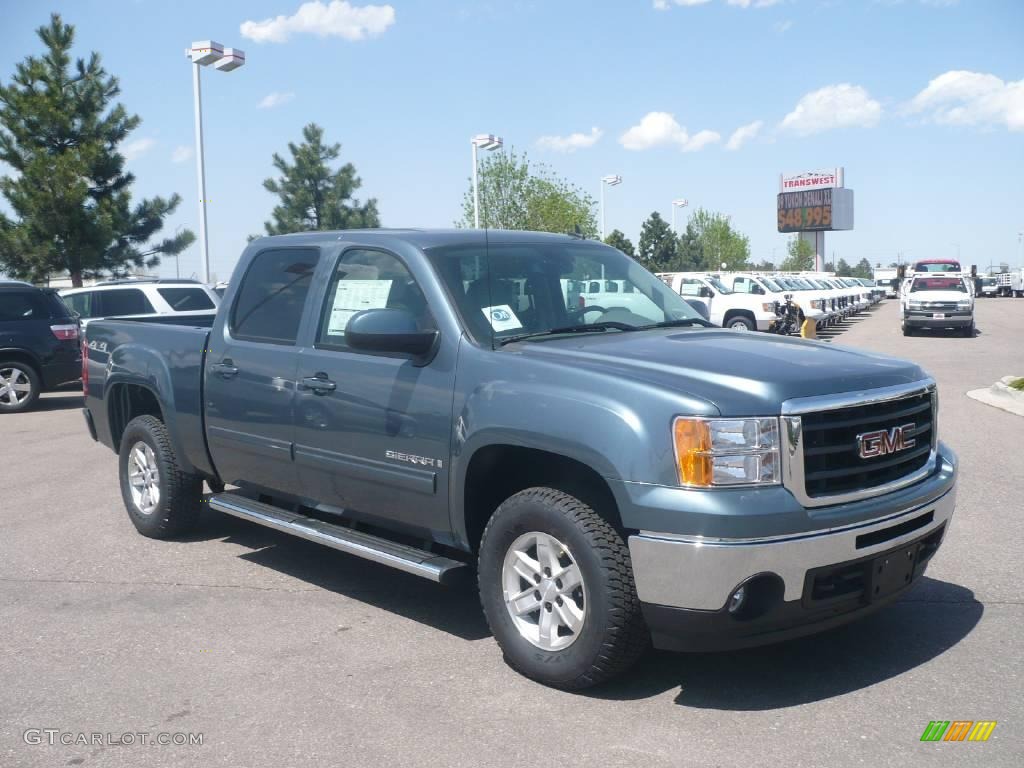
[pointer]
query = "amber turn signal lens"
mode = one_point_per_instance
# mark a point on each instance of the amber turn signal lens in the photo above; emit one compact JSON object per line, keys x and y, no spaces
{"x":693,"y":444}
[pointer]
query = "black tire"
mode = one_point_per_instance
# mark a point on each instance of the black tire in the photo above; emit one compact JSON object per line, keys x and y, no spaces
{"x":908,"y":331}
{"x":177,"y":510}
{"x":22,"y":373}
{"x":613,"y":635}
{"x":736,"y":321}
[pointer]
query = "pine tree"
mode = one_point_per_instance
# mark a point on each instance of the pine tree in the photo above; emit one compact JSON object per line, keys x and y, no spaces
{"x":617,"y":239}
{"x":314,"y":197}
{"x":657,"y":244}
{"x":69,"y":192}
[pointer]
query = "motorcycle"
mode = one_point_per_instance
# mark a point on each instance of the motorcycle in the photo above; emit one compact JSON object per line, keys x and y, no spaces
{"x":788,"y":315}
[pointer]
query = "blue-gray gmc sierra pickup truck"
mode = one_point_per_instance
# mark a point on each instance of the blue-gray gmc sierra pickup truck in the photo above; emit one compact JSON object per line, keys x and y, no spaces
{"x":448,"y":403}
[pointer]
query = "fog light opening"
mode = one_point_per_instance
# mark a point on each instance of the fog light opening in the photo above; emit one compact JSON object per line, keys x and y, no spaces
{"x":736,"y":600}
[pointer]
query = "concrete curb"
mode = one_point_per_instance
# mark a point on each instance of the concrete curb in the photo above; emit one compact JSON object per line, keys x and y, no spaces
{"x":1001,"y":395}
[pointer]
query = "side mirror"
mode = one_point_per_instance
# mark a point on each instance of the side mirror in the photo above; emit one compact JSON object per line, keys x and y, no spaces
{"x":755,"y":288}
{"x":390,"y":330}
{"x":705,"y":292}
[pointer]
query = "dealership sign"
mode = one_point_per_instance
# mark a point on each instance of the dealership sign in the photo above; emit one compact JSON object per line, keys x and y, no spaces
{"x":826,"y":178}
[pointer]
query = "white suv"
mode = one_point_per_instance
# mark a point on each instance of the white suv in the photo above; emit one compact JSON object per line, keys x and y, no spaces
{"x":142,"y":298}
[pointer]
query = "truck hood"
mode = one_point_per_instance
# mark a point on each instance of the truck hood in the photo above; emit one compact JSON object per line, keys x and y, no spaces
{"x":946,"y":297}
{"x":740,"y":373}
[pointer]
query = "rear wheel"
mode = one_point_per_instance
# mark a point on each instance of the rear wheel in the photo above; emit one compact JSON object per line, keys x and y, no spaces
{"x":556,"y":585}
{"x":162,"y":499}
{"x":19,"y":386}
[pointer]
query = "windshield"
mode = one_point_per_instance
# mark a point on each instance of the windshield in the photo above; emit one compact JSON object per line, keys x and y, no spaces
{"x":772,"y":285}
{"x":988,"y":281}
{"x":508,"y":290}
{"x":718,"y":285}
{"x":938,"y":284}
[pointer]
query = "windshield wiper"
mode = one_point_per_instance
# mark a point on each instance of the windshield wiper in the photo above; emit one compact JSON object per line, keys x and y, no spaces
{"x":581,"y":328}
{"x":680,"y":323}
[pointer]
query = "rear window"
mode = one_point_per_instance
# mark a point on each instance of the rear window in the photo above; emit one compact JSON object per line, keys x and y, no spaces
{"x":21,"y":305}
{"x":124,"y":301}
{"x":57,"y":307}
{"x":269,"y":303}
{"x":186,"y":299}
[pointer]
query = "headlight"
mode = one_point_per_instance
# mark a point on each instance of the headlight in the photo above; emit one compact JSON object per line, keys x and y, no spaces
{"x":769,"y":306}
{"x":714,"y":452}
{"x":916,"y":305}
{"x":963,"y":304}
{"x":815,"y":304}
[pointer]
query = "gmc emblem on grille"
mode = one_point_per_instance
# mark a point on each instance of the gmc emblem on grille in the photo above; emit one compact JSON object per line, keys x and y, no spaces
{"x":882,"y":442}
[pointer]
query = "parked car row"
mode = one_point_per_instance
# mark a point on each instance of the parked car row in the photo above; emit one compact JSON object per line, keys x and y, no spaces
{"x":749,"y":301}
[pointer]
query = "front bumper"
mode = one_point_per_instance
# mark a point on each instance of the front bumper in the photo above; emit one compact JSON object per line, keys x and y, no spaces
{"x":685,"y":582}
{"x":925,"y":320}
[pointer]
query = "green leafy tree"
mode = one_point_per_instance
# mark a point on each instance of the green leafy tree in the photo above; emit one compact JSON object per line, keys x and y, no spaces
{"x":830,"y":267}
{"x":719,"y":242}
{"x":765,"y":266}
{"x":657,"y":244}
{"x":312,"y":195}
{"x":617,"y":239}
{"x":690,"y":250}
{"x":801,"y":256}
{"x":863,"y":269}
{"x":515,"y":194}
{"x":69,"y":194}
{"x":842,"y":269}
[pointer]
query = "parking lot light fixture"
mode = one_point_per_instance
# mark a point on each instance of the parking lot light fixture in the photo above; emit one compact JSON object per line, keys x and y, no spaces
{"x":488,"y":142}
{"x":202,"y":53}
{"x":681,"y":202}
{"x":610,"y":180}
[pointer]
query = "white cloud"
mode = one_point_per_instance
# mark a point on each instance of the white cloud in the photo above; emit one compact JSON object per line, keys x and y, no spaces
{"x":572,"y":142}
{"x":754,"y":3}
{"x":959,"y":97}
{"x":834,"y":106}
{"x":660,"y":128}
{"x":275,"y":99}
{"x":338,"y":18}
{"x":137,"y":148}
{"x":743,"y":134}
{"x":782,"y":27}
{"x":663,"y":5}
{"x":181,"y":153}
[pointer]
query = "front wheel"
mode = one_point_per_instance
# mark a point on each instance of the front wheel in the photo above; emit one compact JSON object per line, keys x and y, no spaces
{"x":740,"y":323}
{"x":162,"y":499}
{"x":556,"y":585}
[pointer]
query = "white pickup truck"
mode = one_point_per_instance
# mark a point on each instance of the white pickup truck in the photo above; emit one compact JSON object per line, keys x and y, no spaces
{"x":938,"y":302}
{"x":727,"y":308}
{"x":770,"y":290}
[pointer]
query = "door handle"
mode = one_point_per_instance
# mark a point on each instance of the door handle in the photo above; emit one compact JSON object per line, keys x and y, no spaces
{"x":320,"y":384}
{"x":225,"y":369}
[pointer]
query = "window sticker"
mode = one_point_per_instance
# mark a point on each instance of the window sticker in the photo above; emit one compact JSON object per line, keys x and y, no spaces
{"x":502,"y":318}
{"x":353,"y":296}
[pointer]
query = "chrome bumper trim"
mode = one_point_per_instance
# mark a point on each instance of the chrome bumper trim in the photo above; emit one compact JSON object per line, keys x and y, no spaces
{"x":695,"y":573}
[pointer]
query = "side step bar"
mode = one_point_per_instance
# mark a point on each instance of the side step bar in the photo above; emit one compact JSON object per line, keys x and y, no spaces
{"x":418,"y":562}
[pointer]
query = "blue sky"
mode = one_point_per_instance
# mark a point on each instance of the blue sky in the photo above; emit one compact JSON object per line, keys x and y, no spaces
{"x":922,"y":101}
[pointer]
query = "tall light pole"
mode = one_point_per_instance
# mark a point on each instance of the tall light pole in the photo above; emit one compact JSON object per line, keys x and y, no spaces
{"x":202,"y":54}
{"x":610,"y":180}
{"x":680,"y":203}
{"x":490,"y":143}
{"x":1020,"y":250}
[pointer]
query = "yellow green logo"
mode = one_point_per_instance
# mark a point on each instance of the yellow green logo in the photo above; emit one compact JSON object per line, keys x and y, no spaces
{"x":958,"y":730}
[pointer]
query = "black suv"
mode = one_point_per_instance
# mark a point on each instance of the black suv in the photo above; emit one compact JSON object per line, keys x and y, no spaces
{"x":39,"y":346}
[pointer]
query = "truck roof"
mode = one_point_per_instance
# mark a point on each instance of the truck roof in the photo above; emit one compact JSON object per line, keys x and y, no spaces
{"x":423,"y":238}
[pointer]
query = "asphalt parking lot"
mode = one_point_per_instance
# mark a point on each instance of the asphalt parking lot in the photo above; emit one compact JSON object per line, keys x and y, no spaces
{"x":283,"y":653}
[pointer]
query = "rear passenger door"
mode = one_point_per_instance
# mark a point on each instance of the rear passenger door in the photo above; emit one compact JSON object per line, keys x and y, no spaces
{"x":250,"y":371}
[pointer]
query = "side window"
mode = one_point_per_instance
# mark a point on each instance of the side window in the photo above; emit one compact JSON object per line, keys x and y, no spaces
{"x":268,"y":305}
{"x":689,"y":287}
{"x":81,"y":303}
{"x":595,"y":287}
{"x":18,"y":306}
{"x":186,"y":299}
{"x":365,"y":279}
{"x":125,"y":301}
{"x":610,"y":286}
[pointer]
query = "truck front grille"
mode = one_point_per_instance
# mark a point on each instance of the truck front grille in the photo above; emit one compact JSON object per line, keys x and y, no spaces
{"x":832,"y":442}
